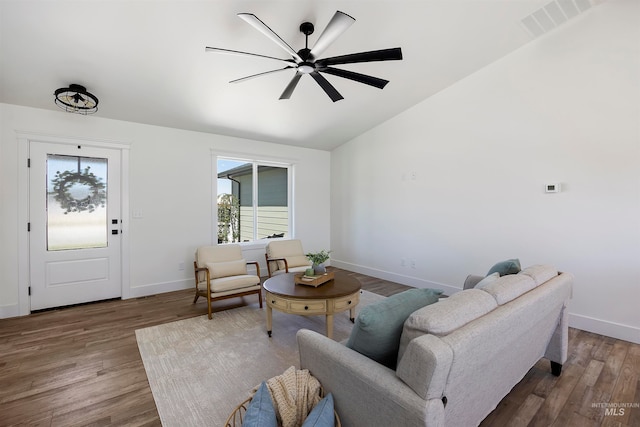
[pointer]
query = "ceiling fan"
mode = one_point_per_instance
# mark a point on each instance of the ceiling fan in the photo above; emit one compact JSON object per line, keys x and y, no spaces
{"x":308,"y":61}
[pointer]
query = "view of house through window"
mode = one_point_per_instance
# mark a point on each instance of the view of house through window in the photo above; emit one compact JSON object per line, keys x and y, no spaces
{"x":253,"y":200}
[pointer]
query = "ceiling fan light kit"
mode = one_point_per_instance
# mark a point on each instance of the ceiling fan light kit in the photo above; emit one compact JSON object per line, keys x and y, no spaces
{"x":308,"y":61}
{"x":76,"y":99}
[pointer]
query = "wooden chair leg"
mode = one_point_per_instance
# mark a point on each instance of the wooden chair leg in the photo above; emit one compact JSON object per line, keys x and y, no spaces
{"x":260,"y":296}
{"x":196,"y":298}
{"x":209,"y":305}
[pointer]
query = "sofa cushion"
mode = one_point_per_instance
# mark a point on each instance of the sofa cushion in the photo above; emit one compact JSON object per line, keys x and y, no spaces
{"x":540,"y":273}
{"x":226,"y":269}
{"x":487,"y":280}
{"x":508,"y":288}
{"x":446,"y":316}
{"x":260,"y":412}
{"x":510,"y":266}
{"x":378,"y":328}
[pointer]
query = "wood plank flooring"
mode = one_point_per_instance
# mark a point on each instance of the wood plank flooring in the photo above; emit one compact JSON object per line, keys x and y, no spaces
{"x":81,"y":366}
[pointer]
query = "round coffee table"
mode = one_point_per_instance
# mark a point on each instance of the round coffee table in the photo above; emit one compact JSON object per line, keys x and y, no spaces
{"x":339,"y":294}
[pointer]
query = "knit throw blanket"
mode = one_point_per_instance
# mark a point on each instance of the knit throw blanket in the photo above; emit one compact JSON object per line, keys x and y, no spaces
{"x":294,"y":394}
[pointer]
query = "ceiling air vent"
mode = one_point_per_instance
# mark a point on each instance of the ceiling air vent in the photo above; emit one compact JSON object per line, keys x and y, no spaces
{"x":554,"y":14}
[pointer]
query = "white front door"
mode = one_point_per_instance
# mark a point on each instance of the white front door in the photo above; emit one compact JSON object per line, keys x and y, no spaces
{"x":75,"y":224}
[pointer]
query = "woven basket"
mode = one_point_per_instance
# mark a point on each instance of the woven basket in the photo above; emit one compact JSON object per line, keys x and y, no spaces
{"x":236,"y":417}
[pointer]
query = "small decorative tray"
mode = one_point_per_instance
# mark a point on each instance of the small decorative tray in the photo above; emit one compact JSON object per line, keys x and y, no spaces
{"x":315,"y":281}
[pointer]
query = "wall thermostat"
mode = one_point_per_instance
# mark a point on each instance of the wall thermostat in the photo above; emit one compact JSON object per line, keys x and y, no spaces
{"x":552,"y":188}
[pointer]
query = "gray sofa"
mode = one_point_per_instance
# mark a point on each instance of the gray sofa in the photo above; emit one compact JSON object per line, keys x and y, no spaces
{"x":458,"y":357}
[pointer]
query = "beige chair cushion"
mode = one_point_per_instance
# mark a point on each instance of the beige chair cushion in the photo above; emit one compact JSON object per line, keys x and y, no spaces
{"x":301,"y":269}
{"x":298,"y":261}
{"x":218,"y":253}
{"x":289,"y":249}
{"x":226,"y":269}
{"x":231,"y":283}
{"x":284,"y":248}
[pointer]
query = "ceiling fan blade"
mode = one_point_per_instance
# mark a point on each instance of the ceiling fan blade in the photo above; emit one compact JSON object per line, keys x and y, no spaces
{"x":256,"y":23}
{"x":242,"y":79}
{"x":338,"y":25}
{"x":393,"y":54}
{"x":289,"y":62}
{"x":326,"y":86}
{"x":362,"y":78}
{"x":291,"y":86}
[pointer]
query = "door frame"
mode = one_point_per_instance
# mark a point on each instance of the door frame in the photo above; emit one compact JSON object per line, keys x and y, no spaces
{"x":24,"y":140}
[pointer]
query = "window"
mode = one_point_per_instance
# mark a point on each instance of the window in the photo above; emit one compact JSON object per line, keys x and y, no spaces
{"x":252,"y":200}
{"x":76,"y":202}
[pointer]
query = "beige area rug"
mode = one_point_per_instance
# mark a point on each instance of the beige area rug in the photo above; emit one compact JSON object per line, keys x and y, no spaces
{"x":199,"y":370}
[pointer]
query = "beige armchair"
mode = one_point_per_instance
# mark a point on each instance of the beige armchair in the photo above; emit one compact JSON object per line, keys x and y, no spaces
{"x":221,"y":272}
{"x":286,"y":256}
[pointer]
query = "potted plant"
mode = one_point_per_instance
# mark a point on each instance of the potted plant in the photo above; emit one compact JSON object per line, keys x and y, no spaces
{"x":318,"y":259}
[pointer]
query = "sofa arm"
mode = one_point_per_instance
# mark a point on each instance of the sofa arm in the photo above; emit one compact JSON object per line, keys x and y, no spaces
{"x":366,"y":393}
{"x":425,"y":366}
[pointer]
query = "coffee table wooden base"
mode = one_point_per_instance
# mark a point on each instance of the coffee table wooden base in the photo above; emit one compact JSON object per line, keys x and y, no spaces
{"x":312,"y":307}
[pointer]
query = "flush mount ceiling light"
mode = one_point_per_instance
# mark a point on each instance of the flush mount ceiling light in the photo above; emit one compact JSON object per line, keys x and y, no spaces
{"x":76,"y":99}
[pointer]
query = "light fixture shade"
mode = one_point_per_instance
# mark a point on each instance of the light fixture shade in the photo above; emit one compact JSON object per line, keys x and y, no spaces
{"x":76,"y":99}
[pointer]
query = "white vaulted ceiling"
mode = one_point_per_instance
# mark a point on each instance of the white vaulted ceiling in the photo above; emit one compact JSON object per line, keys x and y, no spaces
{"x":146,"y":61}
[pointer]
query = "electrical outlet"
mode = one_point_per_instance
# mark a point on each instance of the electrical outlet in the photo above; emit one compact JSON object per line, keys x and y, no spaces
{"x":412,"y":263}
{"x":181,"y":266}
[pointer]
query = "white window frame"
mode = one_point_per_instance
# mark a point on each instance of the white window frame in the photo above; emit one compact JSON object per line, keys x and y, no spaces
{"x":255,"y":162}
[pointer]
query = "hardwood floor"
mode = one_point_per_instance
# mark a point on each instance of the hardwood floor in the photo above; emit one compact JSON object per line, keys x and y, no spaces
{"x":81,"y":366}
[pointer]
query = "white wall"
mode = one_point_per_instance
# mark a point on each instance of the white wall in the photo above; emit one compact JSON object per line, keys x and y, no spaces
{"x":171,"y":184}
{"x":456,"y":183}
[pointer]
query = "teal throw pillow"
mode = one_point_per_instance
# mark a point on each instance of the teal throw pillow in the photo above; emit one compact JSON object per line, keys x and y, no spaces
{"x":322,"y":414}
{"x":378,"y":328}
{"x":510,"y":266}
{"x":260,"y":412}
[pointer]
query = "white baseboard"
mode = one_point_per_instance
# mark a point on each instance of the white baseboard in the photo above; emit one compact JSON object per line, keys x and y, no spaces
{"x":7,"y":311}
{"x":160,"y":288}
{"x":416,"y":282}
{"x":585,"y":323}
{"x":605,"y":327}
{"x":13,"y":310}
